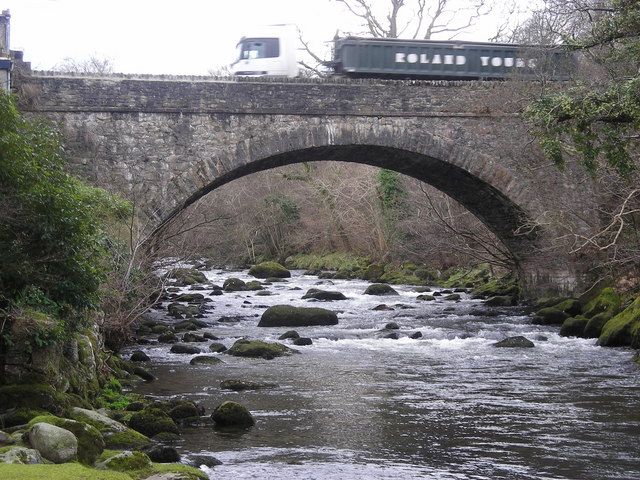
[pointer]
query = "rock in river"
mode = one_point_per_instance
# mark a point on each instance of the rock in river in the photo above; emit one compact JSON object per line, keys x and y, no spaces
{"x":326,"y":295}
{"x":258,"y":349}
{"x":380,"y":289}
{"x":515,"y":342}
{"x":288,"y":316}
{"x":232,"y":414}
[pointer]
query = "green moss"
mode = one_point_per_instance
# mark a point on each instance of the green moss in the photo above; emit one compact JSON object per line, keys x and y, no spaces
{"x":549,"y":316}
{"x":229,"y":414}
{"x":254,"y":285}
{"x":269,"y":269}
{"x":33,"y":396}
{"x":127,"y":461}
{"x":20,"y":416}
{"x":129,"y":439}
{"x":328,"y":261}
{"x":66,"y":471}
{"x":152,"y":421}
{"x":606,"y":301}
{"x":596,"y":324}
{"x":258,"y":349}
{"x":191,"y":473}
{"x":574,"y":326}
{"x":477,"y":276}
{"x":90,"y":441}
{"x":570,"y":306}
{"x":623,"y":329}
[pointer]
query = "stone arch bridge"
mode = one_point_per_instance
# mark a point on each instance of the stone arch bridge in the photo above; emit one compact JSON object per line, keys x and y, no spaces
{"x":167,"y":141}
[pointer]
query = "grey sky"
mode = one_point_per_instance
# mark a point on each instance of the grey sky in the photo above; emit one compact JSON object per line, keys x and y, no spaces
{"x":164,"y":36}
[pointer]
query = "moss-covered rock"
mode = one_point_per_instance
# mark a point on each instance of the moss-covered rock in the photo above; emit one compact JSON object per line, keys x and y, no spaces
{"x":253,"y":286}
{"x":90,"y":441}
{"x":127,"y":439}
{"x":594,"y":326}
{"x":217,"y":347}
{"x":187,"y":276}
{"x":126,"y":462}
{"x":515,"y":342}
{"x":234,"y":285}
{"x":325,"y":295}
{"x":425,"y":298}
{"x":258,"y":349}
{"x":288,"y":316}
{"x":452,"y":297}
{"x":184,"y":409}
{"x":574,"y":326}
{"x":184,"y":349}
{"x":152,"y":421}
{"x":20,"y":456}
{"x":101,"y":422}
{"x":33,"y":396}
{"x":380,"y":289}
{"x":269,"y":270}
{"x":606,"y":301}
{"x":205,"y":360}
{"x":623,"y":329}
{"x":232,"y":414}
{"x":19,"y":416}
{"x":570,"y":306}
{"x":56,"y":444}
{"x":549,"y":316}
{"x":289,"y":335}
{"x":500,"y":301}
{"x":139,"y":356}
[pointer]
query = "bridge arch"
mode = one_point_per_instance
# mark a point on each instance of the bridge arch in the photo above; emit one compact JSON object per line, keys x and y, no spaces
{"x":478,"y":182}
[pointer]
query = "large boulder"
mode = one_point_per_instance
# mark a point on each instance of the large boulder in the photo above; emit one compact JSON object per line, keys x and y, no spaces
{"x":325,"y":295}
{"x":205,"y":360}
{"x":232,"y":414}
{"x":607,"y":301}
{"x":21,"y":455}
{"x":500,"y":301}
{"x":115,"y":434}
{"x":90,"y":441}
{"x":125,"y":462}
{"x":549,"y":316}
{"x":183,"y":348}
{"x":288,"y":316}
{"x":54,"y":443}
{"x":380,"y":289}
{"x":152,"y":421}
{"x":234,"y":285}
{"x":258,"y":349}
{"x":574,"y":326}
{"x":269,"y":270}
{"x":594,"y":326}
{"x":515,"y":342}
{"x":623,"y":329}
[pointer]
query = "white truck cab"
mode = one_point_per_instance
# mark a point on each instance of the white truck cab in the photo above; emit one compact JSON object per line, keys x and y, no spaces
{"x":268,"y":51}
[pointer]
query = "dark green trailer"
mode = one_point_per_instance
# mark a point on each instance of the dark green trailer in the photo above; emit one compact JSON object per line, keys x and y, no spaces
{"x":446,"y":60}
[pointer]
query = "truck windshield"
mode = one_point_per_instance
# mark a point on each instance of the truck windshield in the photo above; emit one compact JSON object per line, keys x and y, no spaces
{"x":259,"y":48}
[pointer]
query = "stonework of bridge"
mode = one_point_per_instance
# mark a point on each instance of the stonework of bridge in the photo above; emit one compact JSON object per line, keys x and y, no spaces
{"x":166,"y":142}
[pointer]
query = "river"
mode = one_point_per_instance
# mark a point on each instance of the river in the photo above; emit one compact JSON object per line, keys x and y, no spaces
{"x":446,"y":406}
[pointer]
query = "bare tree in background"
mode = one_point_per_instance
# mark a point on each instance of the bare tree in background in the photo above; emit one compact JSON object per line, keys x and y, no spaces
{"x":93,"y":64}
{"x":413,"y":19}
{"x":416,"y":19}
